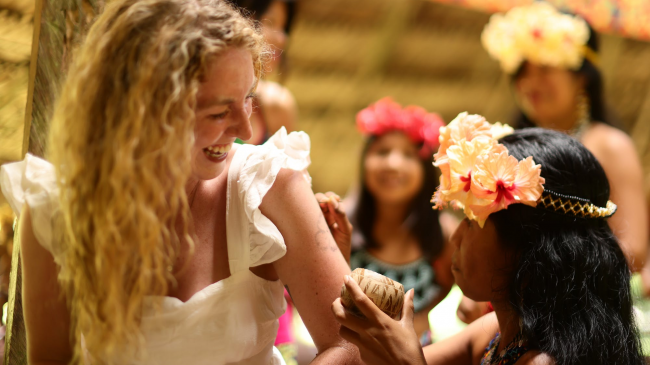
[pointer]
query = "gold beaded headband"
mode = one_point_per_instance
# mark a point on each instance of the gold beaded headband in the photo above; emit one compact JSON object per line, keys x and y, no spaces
{"x":572,"y":205}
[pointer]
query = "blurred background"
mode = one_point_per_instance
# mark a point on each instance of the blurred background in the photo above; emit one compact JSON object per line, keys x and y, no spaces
{"x":342,"y":55}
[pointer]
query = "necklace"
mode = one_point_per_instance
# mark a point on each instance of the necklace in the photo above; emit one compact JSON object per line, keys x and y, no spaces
{"x":584,"y":117}
{"x":509,"y":355}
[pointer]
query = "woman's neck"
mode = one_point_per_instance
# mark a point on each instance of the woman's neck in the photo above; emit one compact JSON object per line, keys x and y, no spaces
{"x":395,"y":242}
{"x":508,"y":323}
{"x":191,"y":187}
{"x":564,"y":124}
{"x":390,"y":216}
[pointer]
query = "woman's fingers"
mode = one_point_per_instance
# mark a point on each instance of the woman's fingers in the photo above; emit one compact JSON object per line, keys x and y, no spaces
{"x":408,"y":309}
{"x":347,"y":318}
{"x":363,"y":303}
{"x":350,"y":336}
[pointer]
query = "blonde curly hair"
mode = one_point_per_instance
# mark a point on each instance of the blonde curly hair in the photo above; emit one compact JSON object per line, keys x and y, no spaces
{"x":120,"y":141}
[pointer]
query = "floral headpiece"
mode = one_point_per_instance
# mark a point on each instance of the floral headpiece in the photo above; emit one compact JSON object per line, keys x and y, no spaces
{"x":477,"y":173}
{"x":479,"y":176}
{"x":539,"y":33}
{"x":386,"y":116}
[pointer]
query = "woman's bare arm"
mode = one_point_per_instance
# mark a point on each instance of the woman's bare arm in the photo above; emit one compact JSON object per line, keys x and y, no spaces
{"x":47,"y":319}
{"x":466,"y":347}
{"x":313,"y":268}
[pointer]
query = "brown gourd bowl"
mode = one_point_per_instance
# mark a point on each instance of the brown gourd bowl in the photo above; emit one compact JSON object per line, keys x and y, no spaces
{"x":385,"y":293}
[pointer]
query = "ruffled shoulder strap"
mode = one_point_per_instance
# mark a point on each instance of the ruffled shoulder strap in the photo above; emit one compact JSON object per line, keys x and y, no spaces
{"x":251,"y":175}
{"x":32,"y":181}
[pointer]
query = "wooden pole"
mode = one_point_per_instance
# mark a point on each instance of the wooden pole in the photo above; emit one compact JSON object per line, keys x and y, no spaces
{"x":16,"y":337}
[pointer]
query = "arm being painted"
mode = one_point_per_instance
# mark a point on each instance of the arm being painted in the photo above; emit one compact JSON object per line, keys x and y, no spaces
{"x":313,"y":267}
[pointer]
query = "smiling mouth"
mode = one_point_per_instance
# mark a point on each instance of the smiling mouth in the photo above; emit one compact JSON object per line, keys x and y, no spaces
{"x":217,"y":152}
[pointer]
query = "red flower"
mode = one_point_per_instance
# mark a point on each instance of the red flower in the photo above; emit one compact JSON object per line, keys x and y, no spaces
{"x":386,"y":116}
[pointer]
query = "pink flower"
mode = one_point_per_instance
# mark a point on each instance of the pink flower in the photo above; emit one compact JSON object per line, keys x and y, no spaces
{"x":499,"y":180}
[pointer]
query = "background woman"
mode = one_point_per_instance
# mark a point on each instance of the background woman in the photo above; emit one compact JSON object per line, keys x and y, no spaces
{"x":561,"y":88}
{"x":558,"y":281}
{"x":273,"y":105}
{"x":396,"y":233}
{"x":170,"y":245}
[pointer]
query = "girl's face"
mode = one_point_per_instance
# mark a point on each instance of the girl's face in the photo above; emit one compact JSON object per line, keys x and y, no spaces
{"x":393,"y":171}
{"x":480,"y":264}
{"x":274,"y":22}
{"x":548,"y":93}
{"x":223,"y":109}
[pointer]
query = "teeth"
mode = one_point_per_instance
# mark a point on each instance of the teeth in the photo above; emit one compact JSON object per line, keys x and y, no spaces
{"x":217,"y":151}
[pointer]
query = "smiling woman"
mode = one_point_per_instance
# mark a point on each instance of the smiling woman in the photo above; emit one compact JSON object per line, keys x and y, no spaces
{"x":149,"y":239}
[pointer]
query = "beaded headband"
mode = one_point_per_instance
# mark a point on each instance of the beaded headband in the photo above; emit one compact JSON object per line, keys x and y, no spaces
{"x":478,"y":175}
{"x":572,"y":205}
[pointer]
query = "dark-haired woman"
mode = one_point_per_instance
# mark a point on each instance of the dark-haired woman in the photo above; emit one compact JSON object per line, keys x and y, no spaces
{"x":396,"y":233}
{"x":273,"y":106}
{"x":536,"y":243}
{"x":553,"y":60}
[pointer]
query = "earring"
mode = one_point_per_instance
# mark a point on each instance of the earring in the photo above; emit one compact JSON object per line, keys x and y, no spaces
{"x":584,"y":116}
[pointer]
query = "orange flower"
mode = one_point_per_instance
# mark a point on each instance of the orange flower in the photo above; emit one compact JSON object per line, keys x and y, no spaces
{"x":464,"y":126}
{"x":462,"y":160}
{"x":500,"y":180}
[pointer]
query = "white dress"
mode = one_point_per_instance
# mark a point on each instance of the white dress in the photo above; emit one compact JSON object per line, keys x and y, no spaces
{"x":233,"y":321}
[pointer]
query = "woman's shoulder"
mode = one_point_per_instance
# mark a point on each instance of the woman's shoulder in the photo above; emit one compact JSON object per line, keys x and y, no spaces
{"x":30,"y":186}
{"x":257,"y":166}
{"x":613,"y":148}
{"x":263,"y":174}
{"x":534,"y":357}
{"x":603,"y":139}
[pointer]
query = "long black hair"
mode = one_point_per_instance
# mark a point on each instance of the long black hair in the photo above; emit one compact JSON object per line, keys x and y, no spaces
{"x":594,"y":87}
{"x":570,"y":285}
{"x":421,"y":219}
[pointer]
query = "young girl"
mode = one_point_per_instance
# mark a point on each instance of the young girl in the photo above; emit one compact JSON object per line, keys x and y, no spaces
{"x":151,"y":239}
{"x":396,"y":233}
{"x":536,"y":243}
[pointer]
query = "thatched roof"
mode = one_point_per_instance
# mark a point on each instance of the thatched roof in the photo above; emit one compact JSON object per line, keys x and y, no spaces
{"x":345,"y":54}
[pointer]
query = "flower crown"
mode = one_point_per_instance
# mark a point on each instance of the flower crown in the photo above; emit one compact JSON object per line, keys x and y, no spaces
{"x":477,"y":173}
{"x":479,"y":176}
{"x":386,"y":116}
{"x":539,"y":33}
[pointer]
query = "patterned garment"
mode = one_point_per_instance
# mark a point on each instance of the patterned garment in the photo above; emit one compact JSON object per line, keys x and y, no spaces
{"x":417,"y":275}
{"x":508,"y":356}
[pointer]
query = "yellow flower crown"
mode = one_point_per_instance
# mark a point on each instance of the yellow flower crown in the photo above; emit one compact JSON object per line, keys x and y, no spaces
{"x":480,"y":177}
{"x":539,"y":33}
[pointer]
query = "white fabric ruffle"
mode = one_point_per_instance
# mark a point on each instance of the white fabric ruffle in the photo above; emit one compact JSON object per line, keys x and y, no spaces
{"x":32,"y":181}
{"x":257,"y":174}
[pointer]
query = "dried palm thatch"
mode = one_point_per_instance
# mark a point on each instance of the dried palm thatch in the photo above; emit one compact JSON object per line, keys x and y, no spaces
{"x":15,"y":48}
{"x":64,"y":24}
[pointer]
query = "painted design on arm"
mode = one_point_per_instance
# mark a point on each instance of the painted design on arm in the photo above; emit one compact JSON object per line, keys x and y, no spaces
{"x":323,"y":237}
